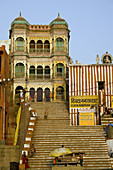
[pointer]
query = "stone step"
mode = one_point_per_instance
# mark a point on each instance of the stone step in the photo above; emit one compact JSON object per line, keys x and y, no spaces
{"x":87,"y":148}
{"x":68,"y":135}
{"x":56,"y":130}
{"x":57,"y":133}
{"x":57,"y":144}
{"x":87,"y":152}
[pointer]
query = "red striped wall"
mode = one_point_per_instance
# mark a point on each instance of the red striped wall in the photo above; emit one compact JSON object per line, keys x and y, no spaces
{"x":83,"y":80}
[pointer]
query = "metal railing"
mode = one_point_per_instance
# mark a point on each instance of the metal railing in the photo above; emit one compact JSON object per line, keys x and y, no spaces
{"x":39,"y":76}
{"x":39,"y":50}
{"x":59,"y":49}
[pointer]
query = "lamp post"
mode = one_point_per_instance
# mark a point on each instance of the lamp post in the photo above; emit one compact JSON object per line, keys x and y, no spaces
{"x":3,"y":83}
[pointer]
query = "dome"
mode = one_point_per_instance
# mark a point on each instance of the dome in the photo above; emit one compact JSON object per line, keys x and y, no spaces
{"x":20,"y":20}
{"x":59,"y":21}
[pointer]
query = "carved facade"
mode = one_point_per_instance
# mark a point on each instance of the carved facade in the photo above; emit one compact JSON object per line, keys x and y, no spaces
{"x":40,"y":57}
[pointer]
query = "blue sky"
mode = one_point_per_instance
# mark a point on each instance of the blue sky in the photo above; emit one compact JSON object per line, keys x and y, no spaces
{"x":90,"y":23}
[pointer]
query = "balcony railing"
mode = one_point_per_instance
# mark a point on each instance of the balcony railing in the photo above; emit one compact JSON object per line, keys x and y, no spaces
{"x":39,"y":76}
{"x":59,"y":74}
{"x":19,"y":75}
{"x":39,"y":50}
{"x":20,"y":48}
{"x":59,"y":49}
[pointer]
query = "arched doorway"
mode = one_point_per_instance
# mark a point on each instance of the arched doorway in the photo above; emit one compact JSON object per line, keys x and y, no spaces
{"x":32,"y":93}
{"x":60,"y":93}
{"x":18,"y":94}
{"x":18,"y":89}
{"x":39,"y":95}
{"x":47,"y":95}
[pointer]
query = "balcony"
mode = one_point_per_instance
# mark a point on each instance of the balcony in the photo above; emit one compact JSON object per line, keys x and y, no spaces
{"x":40,"y":77}
{"x":39,"y":50}
{"x":59,"y":74}
{"x":19,"y":75}
{"x":20,"y":48}
{"x":60,"y":49}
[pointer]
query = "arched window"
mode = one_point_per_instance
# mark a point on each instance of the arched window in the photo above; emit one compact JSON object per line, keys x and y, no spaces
{"x":19,"y":70}
{"x":46,"y":46}
{"x":39,"y":95}
{"x":32,"y":46}
{"x":39,"y":46}
{"x":18,"y":94}
{"x":59,"y":44}
{"x":32,"y":72}
{"x":47,"y":72}
{"x":60,"y":70}
{"x":19,"y":44}
{"x":39,"y":72}
{"x":60,"y":93}
{"x":32,"y":93}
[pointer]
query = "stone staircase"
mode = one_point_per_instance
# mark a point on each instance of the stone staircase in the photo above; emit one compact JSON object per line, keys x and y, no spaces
{"x":54,"y":109}
{"x":55,"y":131}
{"x":111,"y":162}
{"x":106,"y":119}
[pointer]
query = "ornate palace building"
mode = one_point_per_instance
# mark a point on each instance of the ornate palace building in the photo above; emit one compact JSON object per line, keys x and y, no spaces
{"x":40,"y":57}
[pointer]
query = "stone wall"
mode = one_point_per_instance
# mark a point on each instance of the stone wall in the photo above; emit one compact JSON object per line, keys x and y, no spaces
{"x":24,"y":121}
{"x":8,"y":154}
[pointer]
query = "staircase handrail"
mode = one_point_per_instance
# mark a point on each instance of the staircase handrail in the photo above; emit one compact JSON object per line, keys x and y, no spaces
{"x":17,"y":128}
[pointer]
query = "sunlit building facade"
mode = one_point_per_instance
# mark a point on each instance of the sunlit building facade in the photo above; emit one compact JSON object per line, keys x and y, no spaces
{"x":40,"y":58}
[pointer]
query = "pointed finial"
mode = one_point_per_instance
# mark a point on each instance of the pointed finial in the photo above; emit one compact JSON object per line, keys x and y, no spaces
{"x":20,"y":14}
{"x":97,"y":59}
{"x":58,"y":15}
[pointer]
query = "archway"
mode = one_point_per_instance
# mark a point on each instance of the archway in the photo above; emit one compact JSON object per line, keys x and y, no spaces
{"x":59,"y":70}
{"x":18,"y":94}
{"x":47,"y":72}
{"x":39,"y":46}
{"x":39,"y":95}
{"x":46,"y":46}
{"x":32,"y":46}
{"x":32,"y":93}
{"x":19,"y":44}
{"x":19,"y":70}
{"x":18,"y":89}
{"x":59,"y":44}
{"x":39,"y":72}
{"x":60,"y":93}
{"x":47,"y":95}
{"x":32,"y":72}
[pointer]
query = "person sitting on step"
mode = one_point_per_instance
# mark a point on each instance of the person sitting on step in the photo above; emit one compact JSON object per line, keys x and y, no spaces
{"x":45,"y":114}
